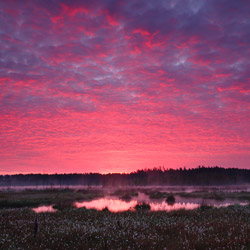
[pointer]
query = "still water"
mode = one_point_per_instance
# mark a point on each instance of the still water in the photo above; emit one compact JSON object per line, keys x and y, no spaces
{"x":43,"y":209}
{"x":117,"y":205}
{"x":114,"y":204}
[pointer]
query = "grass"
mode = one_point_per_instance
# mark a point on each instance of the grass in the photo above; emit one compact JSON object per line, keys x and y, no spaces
{"x":126,"y":197}
{"x":125,"y":194}
{"x":157,"y":194}
{"x":18,"y":203}
{"x":214,"y":228}
{"x":31,"y":198}
{"x":217,"y":195}
{"x":63,"y":205}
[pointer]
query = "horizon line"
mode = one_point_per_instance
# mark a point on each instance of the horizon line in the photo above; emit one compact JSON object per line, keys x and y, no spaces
{"x":107,"y":173}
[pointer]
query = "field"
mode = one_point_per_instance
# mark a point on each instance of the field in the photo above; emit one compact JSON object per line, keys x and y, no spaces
{"x":58,"y":197}
{"x":207,"y":228}
{"x":243,"y":195}
{"x":70,"y":228}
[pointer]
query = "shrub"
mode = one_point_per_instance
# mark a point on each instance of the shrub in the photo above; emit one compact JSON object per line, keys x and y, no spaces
{"x":170,"y":200}
{"x":142,"y":206}
{"x":63,"y":205}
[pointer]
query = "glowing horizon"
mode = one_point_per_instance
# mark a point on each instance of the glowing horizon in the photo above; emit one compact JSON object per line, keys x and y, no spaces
{"x":116,"y":86}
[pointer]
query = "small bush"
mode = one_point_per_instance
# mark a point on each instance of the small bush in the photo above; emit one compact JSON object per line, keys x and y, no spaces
{"x":170,"y":200}
{"x":63,"y":205}
{"x":105,"y":209}
{"x":142,"y":206}
{"x":204,"y":206}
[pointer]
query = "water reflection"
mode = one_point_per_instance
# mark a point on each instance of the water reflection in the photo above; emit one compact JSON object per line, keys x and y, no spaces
{"x":117,"y":205}
{"x":113,"y":204}
{"x":44,"y":209}
{"x":229,"y":204}
{"x":163,"y":206}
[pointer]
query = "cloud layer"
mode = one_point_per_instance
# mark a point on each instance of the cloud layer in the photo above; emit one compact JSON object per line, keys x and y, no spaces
{"x":120,"y":85}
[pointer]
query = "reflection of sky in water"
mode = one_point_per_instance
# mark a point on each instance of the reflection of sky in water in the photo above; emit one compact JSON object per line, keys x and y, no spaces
{"x":117,"y":205}
{"x":226,"y":204}
{"x":114,"y":204}
{"x":164,"y":206}
{"x":43,"y":209}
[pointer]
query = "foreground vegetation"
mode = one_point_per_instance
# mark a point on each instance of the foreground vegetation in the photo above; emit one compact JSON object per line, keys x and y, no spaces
{"x":210,"y":228}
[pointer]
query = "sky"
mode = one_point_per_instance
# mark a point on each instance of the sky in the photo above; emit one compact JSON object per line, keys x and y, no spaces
{"x":116,"y":86}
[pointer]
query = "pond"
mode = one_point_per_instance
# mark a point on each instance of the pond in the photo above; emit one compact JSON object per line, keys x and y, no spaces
{"x":43,"y":209}
{"x":115,"y":204}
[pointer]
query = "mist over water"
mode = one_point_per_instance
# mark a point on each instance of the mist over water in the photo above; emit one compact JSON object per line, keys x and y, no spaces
{"x":166,"y":188}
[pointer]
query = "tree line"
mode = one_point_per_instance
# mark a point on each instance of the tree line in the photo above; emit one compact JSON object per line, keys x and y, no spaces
{"x":157,"y":176}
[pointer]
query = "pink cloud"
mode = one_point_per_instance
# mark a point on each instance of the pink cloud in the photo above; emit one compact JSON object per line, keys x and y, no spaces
{"x":95,"y":86}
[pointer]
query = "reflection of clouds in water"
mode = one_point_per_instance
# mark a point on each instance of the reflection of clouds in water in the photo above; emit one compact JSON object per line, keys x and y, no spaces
{"x":117,"y":205}
{"x":114,"y":205}
{"x":229,"y":204}
{"x":176,"y":206}
{"x":44,"y":209}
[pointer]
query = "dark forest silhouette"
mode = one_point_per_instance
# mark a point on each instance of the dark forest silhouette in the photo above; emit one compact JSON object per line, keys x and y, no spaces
{"x":156,"y":176}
